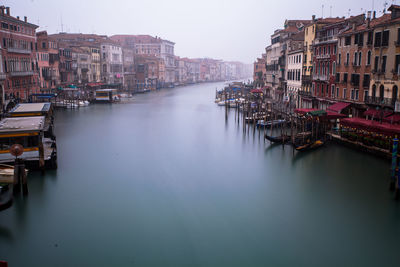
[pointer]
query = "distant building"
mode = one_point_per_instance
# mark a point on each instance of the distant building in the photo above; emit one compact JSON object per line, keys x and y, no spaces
{"x":19,"y":66}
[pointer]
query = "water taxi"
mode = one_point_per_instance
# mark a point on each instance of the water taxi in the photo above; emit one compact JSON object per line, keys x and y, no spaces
{"x":40,"y":152}
{"x":107,"y":95}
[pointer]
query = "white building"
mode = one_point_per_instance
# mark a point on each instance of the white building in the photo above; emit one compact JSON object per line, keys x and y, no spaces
{"x":293,"y":74}
{"x":111,"y":63}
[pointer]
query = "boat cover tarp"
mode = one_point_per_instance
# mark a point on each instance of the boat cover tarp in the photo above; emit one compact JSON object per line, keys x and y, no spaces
{"x":338,"y":107}
{"x":377,"y":113}
{"x":372,"y":126}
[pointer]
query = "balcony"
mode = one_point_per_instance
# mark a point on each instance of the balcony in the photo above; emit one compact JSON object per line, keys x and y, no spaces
{"x":2,"y":76}
{"x":21,"y":73}
{"x":397,"y":43}
{"x":18,"y":50}
{"x":321,"y":77}
{"x":323,"y":56}
{"x":383,"y":101}
{"x":304,"y":93}
{"x":328,"y":39}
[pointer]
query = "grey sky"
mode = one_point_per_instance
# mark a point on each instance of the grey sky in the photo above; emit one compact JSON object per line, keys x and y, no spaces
{"x":229,"y":30}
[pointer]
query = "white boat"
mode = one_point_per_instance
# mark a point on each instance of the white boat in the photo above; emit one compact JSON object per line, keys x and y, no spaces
{"x":83,"y":103}
{"x":221,"y":103}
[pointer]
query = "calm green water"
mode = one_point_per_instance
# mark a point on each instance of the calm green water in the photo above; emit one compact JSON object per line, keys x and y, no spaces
{"x":164,"y":181}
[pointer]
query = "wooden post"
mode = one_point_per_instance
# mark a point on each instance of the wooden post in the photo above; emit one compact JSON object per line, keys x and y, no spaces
{"x":17,"y":180}
{"x":41,"y":155}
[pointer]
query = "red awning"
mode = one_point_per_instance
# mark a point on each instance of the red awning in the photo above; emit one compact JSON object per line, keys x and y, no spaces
{"x":256,"y":91}
{"x":338,"y":107}
{"x":395,"y":118}
{"x":333,"y":115}
{"x":377,"y":113}
{"x":372,"y":126}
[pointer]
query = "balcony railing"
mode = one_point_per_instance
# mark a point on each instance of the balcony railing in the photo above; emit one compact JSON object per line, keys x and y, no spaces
{"x":306,"y":78}
{"x":19,"y":50}
{"x":2,"y":76}
{"x":380,"y":101}
{"x":321,"y":77}
{"x":304,"y":93}
{"x":322,"y":56}
{"x":21,"y":73}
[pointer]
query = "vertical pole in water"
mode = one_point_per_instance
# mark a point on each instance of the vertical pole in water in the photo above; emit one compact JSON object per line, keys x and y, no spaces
{"x":394,"y":169}
{"x":22,"y":173}
{"x":17,"y":180}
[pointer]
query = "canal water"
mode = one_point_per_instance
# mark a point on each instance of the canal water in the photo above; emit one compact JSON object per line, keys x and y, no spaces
{"x":166,"y":181}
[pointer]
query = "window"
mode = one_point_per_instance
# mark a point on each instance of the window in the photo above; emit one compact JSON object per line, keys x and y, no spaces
{"x":344,"y":93}
{"x":334,"y":68}
{"x":345,"y":77}
{"x":352,"y":94}
{"x":376,"y":64}
{"x":337,"y":92}
{"x":365,"y":95}
{"x":366,"y":80}
{"x":370,"y":37}
{"x":396,"y":64}
{"x":398,"y":36}
{"x":322,"y":89}
{"x":356,"y":94}
{"x":384,"y":64}
{"x":355,"y":58}
{"x":361,"y":39}
{"x":385,"y":38}
{"x":337,"y":77}
{"x":356,"y":36}
{"x":347,"y":40}
{"x":347,"y":58}
{"x":378,"y":39}
{"x":332,"y":91}
{"x":359,"y":58}
{"x":369,"y":58}
{"x":340,"y":59}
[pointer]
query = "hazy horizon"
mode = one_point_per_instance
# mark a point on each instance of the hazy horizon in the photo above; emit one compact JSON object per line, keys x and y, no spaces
{"x":233,"y":30}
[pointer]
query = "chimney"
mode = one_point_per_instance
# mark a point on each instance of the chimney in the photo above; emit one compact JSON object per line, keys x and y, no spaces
{"x":17,"y":17}
{"x":25,"y":19}
{"x":313,"y":18}
{"x":374,"y":17}
{"x":369,"y":15}
{"x":354,"y":26}
{"x":8,"y":11}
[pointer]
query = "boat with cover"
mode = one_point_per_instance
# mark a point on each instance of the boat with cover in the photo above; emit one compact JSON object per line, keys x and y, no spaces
{"x":268,"y":124}
{"x":283,"y":139}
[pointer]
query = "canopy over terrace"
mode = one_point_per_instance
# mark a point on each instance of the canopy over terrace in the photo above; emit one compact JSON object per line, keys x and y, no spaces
{"x":319,"y":113}
{"x":372,"y":126}
{"x":395,"y":118}
{"x":338,"y":107}
{"x":375,"y":113}
{"x":256,"y":91}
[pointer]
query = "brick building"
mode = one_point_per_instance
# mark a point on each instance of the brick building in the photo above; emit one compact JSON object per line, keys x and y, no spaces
{"x":19,"y":70}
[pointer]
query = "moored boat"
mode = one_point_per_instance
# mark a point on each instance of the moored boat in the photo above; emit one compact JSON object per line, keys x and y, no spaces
{"x":309,"y":146}
{"x":283,"y":139}
{"x":268,"y":124}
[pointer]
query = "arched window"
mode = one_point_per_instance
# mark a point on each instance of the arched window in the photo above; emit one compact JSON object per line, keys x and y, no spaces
{"x":359,"y":58}
{"x":381,"y":91}
{"x":394,"y":93}
{"x":327,"y":69}
{"x":374,"y":90}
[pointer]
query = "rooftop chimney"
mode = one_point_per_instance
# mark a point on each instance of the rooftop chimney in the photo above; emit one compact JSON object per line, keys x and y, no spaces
{"x":313,"y":18}
{"x":374,"y":16}
{"x":369,"y":15}
{"x":8,"y":11}
{"x":25,"y":19}
{"x":2,"y":10}
{"x":17,"y":17}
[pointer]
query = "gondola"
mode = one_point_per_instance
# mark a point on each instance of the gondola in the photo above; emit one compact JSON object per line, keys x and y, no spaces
{"x":309,"y":146}
{"x":6,"y":196}
{"x":268,"y":124}
{"x":278,"y":139}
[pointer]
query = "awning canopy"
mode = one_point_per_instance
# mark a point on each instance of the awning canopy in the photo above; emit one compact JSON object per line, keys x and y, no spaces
{"x":372,"y":126}
{"x":303,"y":111}
{"x":338,"y":107}
{"x":377,"y":113}
{"x":94,"y":84}
{"x":395,"y":118}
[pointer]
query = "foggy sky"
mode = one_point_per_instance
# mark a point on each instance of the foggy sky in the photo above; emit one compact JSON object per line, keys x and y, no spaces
{"x":229,"y":30}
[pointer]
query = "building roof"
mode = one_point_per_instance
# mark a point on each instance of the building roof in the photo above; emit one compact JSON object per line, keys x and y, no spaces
{"x":22,"y":124}
{"x":364,"y":27}
{"x":31,"y":107}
